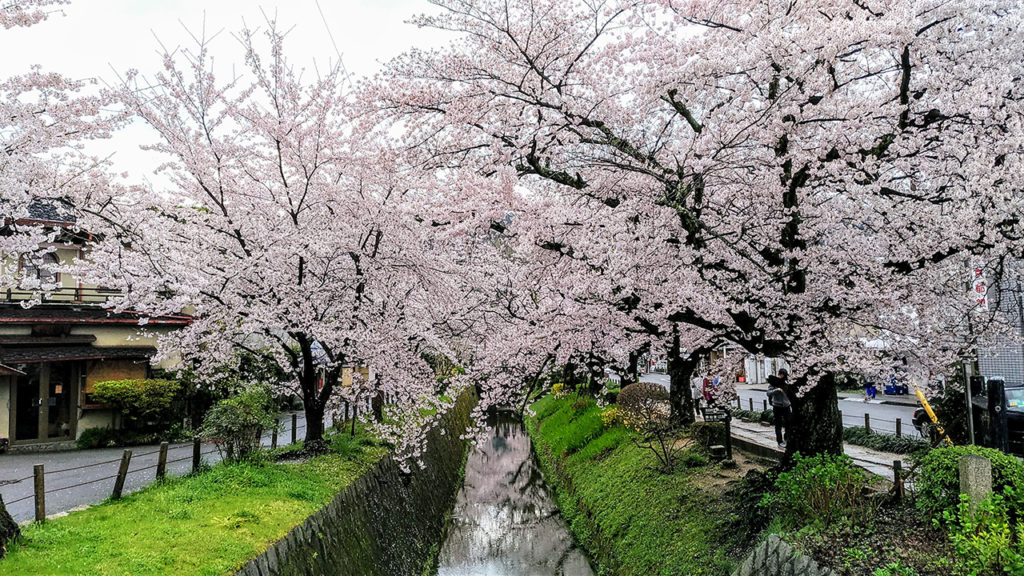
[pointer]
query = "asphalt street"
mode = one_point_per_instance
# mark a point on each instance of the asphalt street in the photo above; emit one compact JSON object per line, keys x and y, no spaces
{"x":883,"y":416}
{"x":83,"y":477}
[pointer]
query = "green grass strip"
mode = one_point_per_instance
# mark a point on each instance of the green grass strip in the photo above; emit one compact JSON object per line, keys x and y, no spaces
{"x":209,"y":524}
{"x":631,"y":519}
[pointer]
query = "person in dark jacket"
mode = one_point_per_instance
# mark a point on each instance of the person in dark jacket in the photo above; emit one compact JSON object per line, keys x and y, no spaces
{"x":782,"y":408}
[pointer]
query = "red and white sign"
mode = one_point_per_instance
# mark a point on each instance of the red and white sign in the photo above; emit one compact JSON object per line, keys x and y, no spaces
{"x":979,"y":289}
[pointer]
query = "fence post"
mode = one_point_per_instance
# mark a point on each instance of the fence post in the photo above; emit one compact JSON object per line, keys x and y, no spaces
{"x":739,"y":405}
{"x":899,"y":427}
{"x":897,"y":480}
{"x":122,"y":472}
{"x":867,"y":422}
{"x":40,"y":491}
{"x":196,"y":453}
{"x":751,"y":404}
{"x":764,"y":405}
{"x":728,"y":436}
{"x":295,"y":420}
{"x":273,"y":439}
{"x":161,"y":462}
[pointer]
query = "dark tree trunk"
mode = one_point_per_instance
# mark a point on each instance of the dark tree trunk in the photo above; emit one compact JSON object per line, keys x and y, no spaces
{"x":569,"y":376}
{"x":631,"y":375}
{"x":377,"y":403}
{"x":314,"y":421}
{"x":680,"y":372}
{"x":8,"y":529}
{"x":815,"y":427}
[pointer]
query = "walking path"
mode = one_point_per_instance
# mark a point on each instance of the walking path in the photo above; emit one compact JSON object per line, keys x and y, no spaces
{"x":80,"y":478}
{"x":874,"y":461}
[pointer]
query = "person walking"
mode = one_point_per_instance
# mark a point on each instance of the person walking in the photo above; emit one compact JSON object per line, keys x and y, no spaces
{"x":697,"y":393}
{"x":782,"y":408}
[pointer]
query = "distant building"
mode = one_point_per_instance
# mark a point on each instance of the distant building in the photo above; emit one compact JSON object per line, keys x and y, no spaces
{"x":1003,"y":356}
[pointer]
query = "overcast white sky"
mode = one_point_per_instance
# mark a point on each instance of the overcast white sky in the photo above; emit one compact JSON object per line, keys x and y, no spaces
{"x":95,"y":38}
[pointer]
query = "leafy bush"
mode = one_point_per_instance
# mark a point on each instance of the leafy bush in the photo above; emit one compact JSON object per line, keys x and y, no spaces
{"x":644,"y":410}
{"x":140,"y":400}
{"x":610,"y":416}
{"x":235,"y":424}
{"x":763,"y":416}
{"x":987,"y":542}
{"x":706,"y":434}
{"x":861,"y":436}
{"x":820,"y":490}
{"x":938,"y":479}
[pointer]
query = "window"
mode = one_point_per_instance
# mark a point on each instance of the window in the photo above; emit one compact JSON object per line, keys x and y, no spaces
{"x":43,"y":269}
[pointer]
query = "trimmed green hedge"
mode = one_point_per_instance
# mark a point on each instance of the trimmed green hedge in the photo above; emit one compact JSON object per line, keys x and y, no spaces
{"x":861,"y":436}
{"x":938,"y":478}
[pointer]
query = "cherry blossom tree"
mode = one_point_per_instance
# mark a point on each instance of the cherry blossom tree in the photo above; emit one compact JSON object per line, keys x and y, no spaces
{"x":286,"y":232}
{"x":46,"y":119}
{"x":823,"y":171}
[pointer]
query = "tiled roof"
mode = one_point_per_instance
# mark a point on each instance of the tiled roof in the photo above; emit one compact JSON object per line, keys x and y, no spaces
{"x":51,"y":210}
{"x":23,"y":355}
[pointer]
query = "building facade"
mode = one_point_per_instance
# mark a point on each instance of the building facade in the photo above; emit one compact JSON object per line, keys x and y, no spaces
{"x":54,"y":348}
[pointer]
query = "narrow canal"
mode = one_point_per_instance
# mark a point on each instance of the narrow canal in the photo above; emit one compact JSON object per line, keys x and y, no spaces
{"x":505,"y":521}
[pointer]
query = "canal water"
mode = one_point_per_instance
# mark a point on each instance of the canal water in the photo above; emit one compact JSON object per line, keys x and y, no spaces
{"x":505,"y":522}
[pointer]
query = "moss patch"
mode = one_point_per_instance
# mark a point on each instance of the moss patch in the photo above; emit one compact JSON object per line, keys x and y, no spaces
{"x":630,"y":518}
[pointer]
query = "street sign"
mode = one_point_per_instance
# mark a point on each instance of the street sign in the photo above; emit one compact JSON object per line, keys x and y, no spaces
{"x":979,"y":289}
{"x":716,"y":416}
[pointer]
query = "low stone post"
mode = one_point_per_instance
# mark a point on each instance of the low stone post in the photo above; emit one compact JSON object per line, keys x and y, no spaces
{"x":975,"y":479}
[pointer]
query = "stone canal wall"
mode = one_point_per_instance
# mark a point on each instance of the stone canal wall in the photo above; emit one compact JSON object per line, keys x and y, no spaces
{"x":387,"y":523}
{"x":776,"y":558}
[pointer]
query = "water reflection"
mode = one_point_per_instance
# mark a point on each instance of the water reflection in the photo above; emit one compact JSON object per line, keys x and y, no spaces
{"x":505,"y":522}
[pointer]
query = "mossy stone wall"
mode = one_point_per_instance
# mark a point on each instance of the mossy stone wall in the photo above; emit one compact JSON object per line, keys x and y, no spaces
{"x":387,"y":523}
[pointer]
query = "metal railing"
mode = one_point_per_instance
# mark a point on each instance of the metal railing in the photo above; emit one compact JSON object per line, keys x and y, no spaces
{"x":62,"y":295}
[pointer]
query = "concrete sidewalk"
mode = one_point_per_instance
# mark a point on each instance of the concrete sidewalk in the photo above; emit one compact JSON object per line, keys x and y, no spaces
{"x":902,"y":400}
{"x":762,"y":436}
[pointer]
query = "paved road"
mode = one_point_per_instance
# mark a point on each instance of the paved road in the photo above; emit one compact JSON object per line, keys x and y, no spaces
{"x":883,"y":416}
{"x":69,"y":485}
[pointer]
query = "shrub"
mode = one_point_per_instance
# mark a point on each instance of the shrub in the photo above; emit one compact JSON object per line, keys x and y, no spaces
{"x":764,"y":416}
{"x":140,"y":400}
{"x":860,"y":436}
{"x":610,"y":416}
{"x":938,"y":479}
{"x":106,"y":437}
{"x":706,"y":434}
{"x":95,"y":438}
{"x":235,"y":424}
{"x":820,"y":490}
{"x":987,"y":542}
{"x":644,"y":410}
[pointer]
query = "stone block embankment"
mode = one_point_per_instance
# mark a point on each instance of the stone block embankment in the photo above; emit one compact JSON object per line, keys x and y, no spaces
{"x":387,"y":523}
{"x":776,"y":558}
